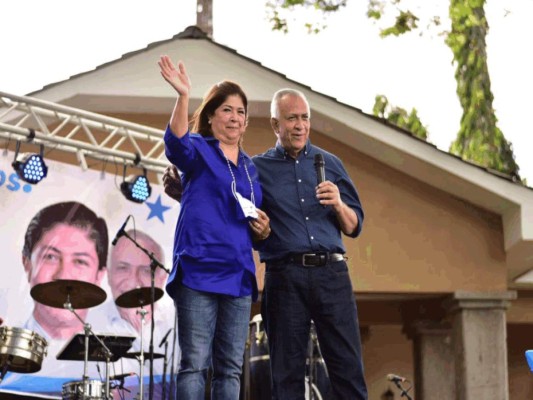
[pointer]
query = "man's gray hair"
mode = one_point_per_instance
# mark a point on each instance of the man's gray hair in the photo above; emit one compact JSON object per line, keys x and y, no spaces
{"x":274,"y":105}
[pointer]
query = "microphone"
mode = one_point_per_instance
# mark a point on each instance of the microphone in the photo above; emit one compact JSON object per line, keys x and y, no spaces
{"x":319,"y":168}
{"x":165,"y":337}
{"x":120,"y":232}
{"x":121,"y":376}
{"x":396,"y":378}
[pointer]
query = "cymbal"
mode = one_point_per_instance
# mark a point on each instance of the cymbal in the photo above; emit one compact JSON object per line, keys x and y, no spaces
{"x":80,"y":294}
{"x":138,"y":297}
{"x":137,"y":354}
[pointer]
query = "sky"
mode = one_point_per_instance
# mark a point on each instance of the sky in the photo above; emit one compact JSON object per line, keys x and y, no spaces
{"x":46,"y":41}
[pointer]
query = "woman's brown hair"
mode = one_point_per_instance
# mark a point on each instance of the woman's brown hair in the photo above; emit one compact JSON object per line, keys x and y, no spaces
{"x":212,"y":100}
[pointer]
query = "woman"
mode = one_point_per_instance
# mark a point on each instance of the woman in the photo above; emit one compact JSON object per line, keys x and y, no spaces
{"x":213,"y":278}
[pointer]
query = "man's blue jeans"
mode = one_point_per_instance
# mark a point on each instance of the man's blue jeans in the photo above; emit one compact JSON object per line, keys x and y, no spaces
{"x":293,"y":295}
{"x":212,"y":331}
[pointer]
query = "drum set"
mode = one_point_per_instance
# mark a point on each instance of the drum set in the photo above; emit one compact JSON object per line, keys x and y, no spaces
{"x":23,"y":351}
{"x":256,"y":373}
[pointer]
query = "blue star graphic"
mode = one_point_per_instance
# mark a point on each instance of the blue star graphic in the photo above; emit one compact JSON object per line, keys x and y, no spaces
{"x":157,"y":209}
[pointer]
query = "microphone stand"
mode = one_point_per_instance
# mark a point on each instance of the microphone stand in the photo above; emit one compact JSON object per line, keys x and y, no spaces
{"x":402,"y":390}
{"x":311,"y":370}
{"x":171,"y":390}
{"x":120,"y":386}
{"x":154,"y":263}
{"x":165,"y":372}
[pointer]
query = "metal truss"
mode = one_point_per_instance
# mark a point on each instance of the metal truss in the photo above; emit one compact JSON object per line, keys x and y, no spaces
{"x":81,"y":132}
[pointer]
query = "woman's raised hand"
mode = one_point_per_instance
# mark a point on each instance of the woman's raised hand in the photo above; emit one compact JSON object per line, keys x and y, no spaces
{"x":175,"y":75}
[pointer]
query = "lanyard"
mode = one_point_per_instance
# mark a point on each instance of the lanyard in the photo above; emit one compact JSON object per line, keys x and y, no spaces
{"x":234,"y":183}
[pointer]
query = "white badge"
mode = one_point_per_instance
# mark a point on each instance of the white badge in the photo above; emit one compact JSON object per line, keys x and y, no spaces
{"x":248,"y":208}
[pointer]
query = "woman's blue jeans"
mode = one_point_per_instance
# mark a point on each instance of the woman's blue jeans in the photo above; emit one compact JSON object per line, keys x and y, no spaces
{"x":212,"y":332}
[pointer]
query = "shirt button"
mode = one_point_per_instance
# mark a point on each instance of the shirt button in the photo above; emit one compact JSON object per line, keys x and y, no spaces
{"x":299,"y":181}
{"x":303,"y":200}
{"x":307,"y":218}
{"x":312,"y":237}
{"x":297,"y":162}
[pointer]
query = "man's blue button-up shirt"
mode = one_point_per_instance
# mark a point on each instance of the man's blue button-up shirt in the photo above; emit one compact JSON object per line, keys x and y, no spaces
{"x":300,"y":224}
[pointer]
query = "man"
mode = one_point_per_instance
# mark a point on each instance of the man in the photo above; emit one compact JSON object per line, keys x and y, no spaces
{"x":129,"y":269}
{"x":306,"y":274}
{"x":68,"y":241}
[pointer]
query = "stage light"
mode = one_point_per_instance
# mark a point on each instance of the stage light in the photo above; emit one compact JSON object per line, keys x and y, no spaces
{"x":136,"y":188}
{"x":30,"y":167}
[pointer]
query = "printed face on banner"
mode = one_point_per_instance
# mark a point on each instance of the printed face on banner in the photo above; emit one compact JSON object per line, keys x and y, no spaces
{"x":129,"y":269}
{"x":42,"y":241}
{"x":63,"y":252}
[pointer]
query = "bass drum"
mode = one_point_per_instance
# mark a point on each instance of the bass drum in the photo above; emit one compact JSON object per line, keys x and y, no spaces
{"x":21,"y":350}
{"x":84,"y":390}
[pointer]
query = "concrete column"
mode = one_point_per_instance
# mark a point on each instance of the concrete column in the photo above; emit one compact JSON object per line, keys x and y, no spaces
{"x":479,"y":342}
{"x":433,"y":360}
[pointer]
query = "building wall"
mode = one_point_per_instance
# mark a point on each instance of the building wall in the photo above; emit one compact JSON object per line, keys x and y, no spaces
{"x":417,"y":238}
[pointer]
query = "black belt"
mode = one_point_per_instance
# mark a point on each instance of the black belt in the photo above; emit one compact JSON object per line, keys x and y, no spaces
{"x":310,"y":259}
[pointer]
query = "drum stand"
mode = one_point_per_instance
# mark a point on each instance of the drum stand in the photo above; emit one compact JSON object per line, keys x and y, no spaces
{"x":142,"y":312}
{"x":314,"y":393}
{"x":154,"y":263}
{"x":108,"y":354}
{"x":4,"y":368}
{"x":311,"y":358}
{"x":246,"y":368}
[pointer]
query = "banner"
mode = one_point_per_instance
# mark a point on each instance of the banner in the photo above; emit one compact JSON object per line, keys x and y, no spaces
{"x":61,"y":230}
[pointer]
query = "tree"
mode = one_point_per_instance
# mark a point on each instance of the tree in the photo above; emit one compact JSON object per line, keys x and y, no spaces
{"x":399,"y":117}
{"x":280,"y":24}
{"x":479,"y":139}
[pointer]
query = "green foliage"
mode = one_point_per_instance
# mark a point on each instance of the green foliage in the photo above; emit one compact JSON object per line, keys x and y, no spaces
{"x":479,"y":139}
{"x":279,"y":22}
{"x":406,"y":21}
{"x":375,"y":9}
{"x":399,"y":117}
